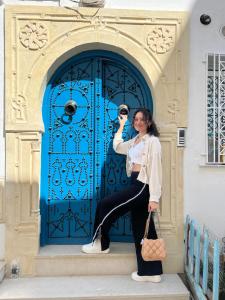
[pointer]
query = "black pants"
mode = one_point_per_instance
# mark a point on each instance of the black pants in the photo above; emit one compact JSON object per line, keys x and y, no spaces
{"x":139,"y":214}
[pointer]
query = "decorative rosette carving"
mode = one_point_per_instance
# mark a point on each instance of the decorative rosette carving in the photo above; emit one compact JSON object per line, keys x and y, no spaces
{"x":34,"y":35}
{"x":160,"y":39}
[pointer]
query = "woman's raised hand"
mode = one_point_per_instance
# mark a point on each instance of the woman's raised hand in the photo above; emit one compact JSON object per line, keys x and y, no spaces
{"x":122,"y":120}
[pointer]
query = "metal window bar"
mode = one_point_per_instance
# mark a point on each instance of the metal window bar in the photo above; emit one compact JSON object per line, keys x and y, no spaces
{"x":219,"y":99}
{"x":216,"y":109}
{"x":211,"y":109}
{"x":222,"y":108}
{"x":202,"y":262}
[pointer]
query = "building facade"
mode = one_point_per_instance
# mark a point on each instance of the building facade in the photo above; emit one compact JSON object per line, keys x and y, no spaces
{"x":155,"y":55}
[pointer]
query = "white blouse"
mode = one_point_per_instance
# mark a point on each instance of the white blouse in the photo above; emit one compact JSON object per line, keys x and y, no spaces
{"x":136,"y":153}
{"x":151,"y":161}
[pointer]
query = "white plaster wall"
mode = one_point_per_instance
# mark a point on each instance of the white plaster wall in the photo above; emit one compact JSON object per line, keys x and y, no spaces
{"x":204,"y":187}
{"x":171,"y":5}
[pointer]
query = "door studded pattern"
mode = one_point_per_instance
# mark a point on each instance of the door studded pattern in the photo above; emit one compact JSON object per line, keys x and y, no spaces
{"x":79,"y":165}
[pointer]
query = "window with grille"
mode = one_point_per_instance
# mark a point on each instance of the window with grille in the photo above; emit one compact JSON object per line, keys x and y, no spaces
{"x":216,"y":109}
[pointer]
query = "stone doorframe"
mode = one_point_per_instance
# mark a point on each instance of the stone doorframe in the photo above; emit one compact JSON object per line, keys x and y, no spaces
{"x":37,"y":41}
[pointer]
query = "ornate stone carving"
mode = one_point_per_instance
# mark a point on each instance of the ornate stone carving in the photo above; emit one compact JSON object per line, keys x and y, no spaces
{"x":173,"y":109}
{"x":19,"y":105}
{"x":34,"y":35}
{"x":98,"y":22}
{"x":160,"y":39}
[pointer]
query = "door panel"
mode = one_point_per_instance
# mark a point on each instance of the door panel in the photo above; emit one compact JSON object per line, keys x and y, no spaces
{"x":79,"y":165}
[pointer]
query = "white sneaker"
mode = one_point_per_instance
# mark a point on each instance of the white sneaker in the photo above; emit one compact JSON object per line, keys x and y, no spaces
{"x":154,"y":278}
{"x":94,"y":248}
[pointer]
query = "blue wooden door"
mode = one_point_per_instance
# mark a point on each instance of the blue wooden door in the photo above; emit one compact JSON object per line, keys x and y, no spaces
{"x":79,"y":165}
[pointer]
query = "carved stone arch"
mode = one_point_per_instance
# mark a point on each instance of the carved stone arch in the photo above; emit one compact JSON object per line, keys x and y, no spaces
{"x":46,"y":65}
{"x":156,"y":43}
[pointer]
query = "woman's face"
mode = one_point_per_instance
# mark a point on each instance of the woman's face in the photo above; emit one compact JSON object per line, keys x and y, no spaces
{"x":140,"y":124}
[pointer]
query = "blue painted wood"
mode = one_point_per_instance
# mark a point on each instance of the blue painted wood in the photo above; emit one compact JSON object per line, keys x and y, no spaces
{"x":195,"y":287}
{"x":197,"y":254}
{"x":79,"y":166}
{"x":192,"y":263}
{"x":186,"y":239}
{"x":191,"y":245}
{"x":205,"y":262}
{"x":216,"y":269}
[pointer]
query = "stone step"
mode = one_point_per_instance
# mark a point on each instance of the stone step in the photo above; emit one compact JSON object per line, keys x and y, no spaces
{"x":109,"y":287}
{"x":68,"y":260}
{"x":2,"y":270}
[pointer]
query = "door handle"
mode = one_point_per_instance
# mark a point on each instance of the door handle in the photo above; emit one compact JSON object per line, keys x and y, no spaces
{"x":70,"y":107}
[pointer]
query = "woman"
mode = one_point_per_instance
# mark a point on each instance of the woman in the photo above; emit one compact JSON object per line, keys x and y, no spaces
{"x":143,"y":164}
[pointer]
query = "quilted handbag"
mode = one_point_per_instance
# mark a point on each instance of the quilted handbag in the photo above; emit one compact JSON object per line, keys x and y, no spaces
{"x":152,"y":249}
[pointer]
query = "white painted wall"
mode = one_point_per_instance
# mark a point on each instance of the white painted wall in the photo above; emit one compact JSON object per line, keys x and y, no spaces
{"x":144,"y":4}
{"x":123,"y":4}
{"x":204,"y":187}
